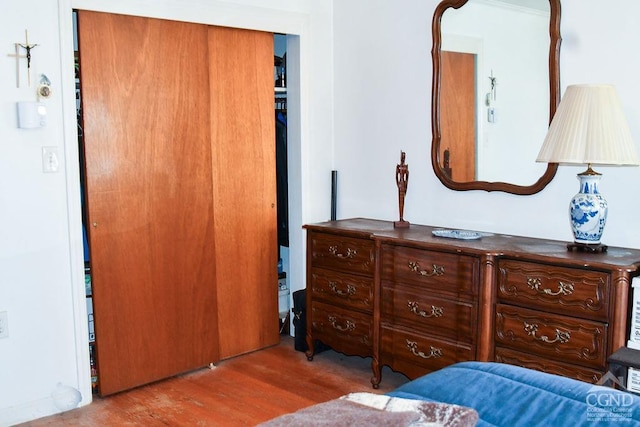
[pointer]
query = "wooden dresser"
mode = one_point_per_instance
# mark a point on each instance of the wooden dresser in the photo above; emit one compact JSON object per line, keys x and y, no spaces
{"x":340,"y":286}
{"x":417,"y":303}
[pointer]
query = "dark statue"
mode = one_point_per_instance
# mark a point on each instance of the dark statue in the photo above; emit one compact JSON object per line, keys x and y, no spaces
{"x":402,"y":180}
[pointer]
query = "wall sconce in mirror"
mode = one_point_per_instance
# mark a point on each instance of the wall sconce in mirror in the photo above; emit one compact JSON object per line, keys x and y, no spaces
{"x":491,"y":97}
{"x":589,"y":128}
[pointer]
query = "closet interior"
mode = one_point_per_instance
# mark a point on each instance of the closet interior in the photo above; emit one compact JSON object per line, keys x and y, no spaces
{"x":280,"y":103}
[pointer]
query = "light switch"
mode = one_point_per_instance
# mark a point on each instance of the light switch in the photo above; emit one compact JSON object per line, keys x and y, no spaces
{"x":4,"y":324}
{"x":50,"y":162}
{"x":491,"y":115}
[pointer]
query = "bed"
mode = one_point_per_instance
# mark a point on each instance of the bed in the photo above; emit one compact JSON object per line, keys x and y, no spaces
{"x":507,"y":395}
{"x":479,"y":393}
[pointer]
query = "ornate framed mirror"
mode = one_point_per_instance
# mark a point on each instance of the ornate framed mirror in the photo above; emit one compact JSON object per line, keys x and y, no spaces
{"x":495,"y":89}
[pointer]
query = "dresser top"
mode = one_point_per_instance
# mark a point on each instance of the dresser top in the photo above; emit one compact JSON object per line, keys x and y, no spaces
{"x":489,"y":244}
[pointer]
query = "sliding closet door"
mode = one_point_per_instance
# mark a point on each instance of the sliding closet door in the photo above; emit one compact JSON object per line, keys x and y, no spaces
{"x":145,"y":85}
{"x":244,"y":185}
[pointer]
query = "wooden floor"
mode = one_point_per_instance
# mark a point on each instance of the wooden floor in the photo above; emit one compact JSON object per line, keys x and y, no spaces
{"x":242,"y":391}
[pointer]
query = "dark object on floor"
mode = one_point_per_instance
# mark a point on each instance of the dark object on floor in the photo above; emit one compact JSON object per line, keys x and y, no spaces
{"x":300,"y":324}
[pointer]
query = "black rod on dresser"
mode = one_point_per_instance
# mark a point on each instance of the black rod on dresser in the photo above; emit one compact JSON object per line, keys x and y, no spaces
{"x":334,"y":193}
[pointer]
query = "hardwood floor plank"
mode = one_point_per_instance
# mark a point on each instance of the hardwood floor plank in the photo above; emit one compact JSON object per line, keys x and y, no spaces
{"x":242,"y":391}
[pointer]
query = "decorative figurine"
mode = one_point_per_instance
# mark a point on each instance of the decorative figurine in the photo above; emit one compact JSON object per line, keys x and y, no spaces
{"x":27,"y":48}
{"x":402,"y":179}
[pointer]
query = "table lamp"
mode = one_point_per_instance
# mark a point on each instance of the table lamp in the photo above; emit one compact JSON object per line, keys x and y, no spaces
{"x":589,"y":128}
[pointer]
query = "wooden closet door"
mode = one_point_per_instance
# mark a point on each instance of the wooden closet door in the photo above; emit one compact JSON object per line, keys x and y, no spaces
{"x":145,"y":85}
{"x":458,"y":113}
{"x":244,"y":187}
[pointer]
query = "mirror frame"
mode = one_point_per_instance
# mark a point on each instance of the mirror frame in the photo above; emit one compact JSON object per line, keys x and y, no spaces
{"x":554,"y":99}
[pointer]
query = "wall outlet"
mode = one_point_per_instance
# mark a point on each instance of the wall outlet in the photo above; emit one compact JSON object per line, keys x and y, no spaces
{"x":4,"y":324}
{"x":50,"y":159}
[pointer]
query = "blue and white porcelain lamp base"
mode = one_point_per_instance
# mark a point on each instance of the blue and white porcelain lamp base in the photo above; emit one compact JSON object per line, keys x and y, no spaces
{"x":588,"y":214}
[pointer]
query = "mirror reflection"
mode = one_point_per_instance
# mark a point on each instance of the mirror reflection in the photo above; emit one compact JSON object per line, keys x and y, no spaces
{"x":495,"y":94}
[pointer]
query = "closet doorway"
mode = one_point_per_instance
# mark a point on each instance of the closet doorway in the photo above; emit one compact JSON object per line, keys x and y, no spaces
{"x":179,"y":157}
{"x":458,"y":115}
{"x":282,"y":178}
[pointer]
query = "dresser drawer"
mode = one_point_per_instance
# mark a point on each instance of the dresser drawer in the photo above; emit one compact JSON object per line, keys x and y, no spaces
{"x":454,"y":319}
{"x":416,"y":354}
{"x":561,"y":290}
{"x":341,"y":253}
{"x":504,"y":355}
{"x":550,"y":335}
{"x":435,"y":270}
{"x":342,"y":288}
{"x":345,"y":331}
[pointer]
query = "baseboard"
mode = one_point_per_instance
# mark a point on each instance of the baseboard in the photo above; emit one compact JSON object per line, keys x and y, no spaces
{"x":31,"y":411}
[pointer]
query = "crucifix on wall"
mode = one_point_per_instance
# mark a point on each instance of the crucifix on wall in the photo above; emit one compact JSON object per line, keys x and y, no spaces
{"x":27,"y":55}
{"x":494,"y":82}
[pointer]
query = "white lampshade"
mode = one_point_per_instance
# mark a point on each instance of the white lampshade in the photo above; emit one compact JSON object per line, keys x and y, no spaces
{"x":589,"y":127}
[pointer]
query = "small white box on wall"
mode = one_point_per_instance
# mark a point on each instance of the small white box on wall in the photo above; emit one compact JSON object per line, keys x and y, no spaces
{"x":31,"y":115}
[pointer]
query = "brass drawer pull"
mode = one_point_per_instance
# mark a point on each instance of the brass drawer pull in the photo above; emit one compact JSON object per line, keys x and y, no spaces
{"x":561,"y":336}
{"x":563,"y":288}
{"x":351,"y":253}
{"x":351,"y":290}
{"x":415,"y":309}
{"x":433,"y":351}
{"x":437,"y":270}
{"x":348,"y":325}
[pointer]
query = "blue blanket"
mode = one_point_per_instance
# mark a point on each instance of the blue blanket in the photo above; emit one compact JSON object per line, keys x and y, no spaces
{"x":511,"y":396}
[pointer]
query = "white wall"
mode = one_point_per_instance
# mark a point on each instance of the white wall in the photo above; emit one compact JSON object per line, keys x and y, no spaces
{"x":377,"y":66}
{"x":35,"y":257}
{"x":382,"y":105}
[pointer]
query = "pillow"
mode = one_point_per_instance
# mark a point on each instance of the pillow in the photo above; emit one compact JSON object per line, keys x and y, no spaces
{"x":367,"y":409}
